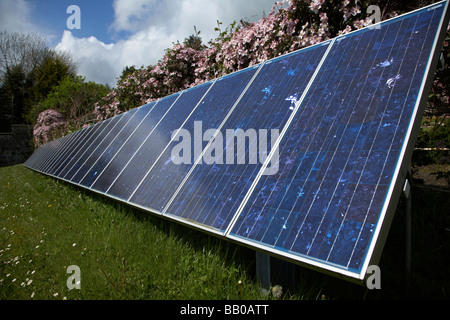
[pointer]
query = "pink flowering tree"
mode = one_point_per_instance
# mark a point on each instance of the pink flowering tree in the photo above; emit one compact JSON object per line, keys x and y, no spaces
{"x":290,"y":26}
{"x":50,"y":125}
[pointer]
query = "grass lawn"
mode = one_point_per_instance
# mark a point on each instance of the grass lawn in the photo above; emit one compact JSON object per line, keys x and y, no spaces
{"x":47,"y":225}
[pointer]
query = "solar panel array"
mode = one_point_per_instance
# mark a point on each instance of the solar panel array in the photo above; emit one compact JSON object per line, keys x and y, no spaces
{"x":346,"y":113}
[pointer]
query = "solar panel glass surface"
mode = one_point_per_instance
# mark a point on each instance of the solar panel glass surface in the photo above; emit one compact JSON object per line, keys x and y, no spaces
{"x":337,"y":168}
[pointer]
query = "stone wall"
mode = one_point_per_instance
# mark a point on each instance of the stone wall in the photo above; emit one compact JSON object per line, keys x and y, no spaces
{"x":16,"y":147}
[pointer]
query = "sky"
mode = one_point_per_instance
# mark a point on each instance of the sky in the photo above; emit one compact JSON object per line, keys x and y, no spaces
{"x":118,"y":33}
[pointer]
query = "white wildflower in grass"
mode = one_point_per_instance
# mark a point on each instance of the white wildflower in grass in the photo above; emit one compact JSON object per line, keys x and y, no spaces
{"x":55,"y":294}
{"x":37,"y":247}
{"x":74,"y":245}
{"x":29,"y":282}
{"x":277,"y":292}
{"x":32,"y":295}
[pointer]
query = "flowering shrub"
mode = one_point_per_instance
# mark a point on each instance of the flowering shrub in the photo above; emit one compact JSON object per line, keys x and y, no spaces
{"x":50,"y":125}
{"x":290,"y":26}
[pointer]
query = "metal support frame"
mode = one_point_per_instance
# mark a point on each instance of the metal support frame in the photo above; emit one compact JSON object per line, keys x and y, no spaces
{"x":270,"y":269}
{"x":407,"y":195}
{"x":263,"y":271}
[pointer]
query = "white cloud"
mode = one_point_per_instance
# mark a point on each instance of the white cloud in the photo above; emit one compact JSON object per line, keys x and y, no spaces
{"x":15,"y":16}
{"x":96,"y":60}
{"x":179,"y":16}
{"x":152,"y":26}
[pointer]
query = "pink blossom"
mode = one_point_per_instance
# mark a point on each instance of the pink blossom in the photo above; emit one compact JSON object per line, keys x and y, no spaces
{"x":291,"y":25}
{"x":50,"y":125}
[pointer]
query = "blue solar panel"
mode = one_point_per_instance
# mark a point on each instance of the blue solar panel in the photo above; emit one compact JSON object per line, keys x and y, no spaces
{"x":162,"y":181}
{"x":212,"y":193}
{"x":149,"y":116}
{"x":181,"y":106}
{"x":63,"y":152}
{"x":338,"y":169}
{"x":94,"y":132}
{"x":335,"y":124}
{"x":108,"y":148}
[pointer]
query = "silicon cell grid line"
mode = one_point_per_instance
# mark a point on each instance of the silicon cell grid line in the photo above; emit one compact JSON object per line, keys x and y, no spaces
{"x":212,"y":192}
{"x":338,"y":169}
{"x":161,"y":182}
{"x":326,"y":133}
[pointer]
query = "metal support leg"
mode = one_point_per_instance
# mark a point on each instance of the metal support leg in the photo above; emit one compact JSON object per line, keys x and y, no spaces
{"x":269,"y":269}
{"x":407,"y":194}
{"x":263,"y":271}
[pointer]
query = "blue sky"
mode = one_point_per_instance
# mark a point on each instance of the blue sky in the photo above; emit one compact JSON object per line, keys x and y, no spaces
{"x":118,"y":33}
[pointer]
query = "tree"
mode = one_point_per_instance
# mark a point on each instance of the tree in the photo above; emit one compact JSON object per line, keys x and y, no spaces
{"x":24,"y":50}
{"x":50,"y":125}
{"x":12,"y":96}
{"x":74,"y":99}
{"x":29,"y":70}
{"x":45,"y":76}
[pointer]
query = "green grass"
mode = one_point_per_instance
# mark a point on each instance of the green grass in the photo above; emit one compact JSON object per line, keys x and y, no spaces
{"x":123,"y":253}
{"x":47,"y":225}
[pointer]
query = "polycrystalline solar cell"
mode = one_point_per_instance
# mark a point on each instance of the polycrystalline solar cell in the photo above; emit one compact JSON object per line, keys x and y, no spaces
{"x":338,"y":158}
{"x":64,"y":153}
{"x":166,"y":175}
{"x":78,"y":143}
{"x":78,"y":170}
{"x":34,"y":160}
{"x":212,"y":193}
{"x":50,"y":149}
{"x":131,"y":121}
{"x":98,"y":149}
{"x":182,"y":105}
{"x":53,"y":154}
{"x":67,"y":170}
{"x":149,"y":116}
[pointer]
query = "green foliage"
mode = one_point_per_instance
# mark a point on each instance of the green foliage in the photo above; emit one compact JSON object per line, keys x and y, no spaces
{"x":13,"y":93}
{"x":48,"y":75}
{"x":47,"y":225}
{"x":433,"y":142}
{"x":73,"y":98}
{"x":29,"y":70}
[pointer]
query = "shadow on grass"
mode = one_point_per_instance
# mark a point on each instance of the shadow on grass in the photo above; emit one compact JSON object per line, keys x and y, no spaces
{"x":430,"y":252}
